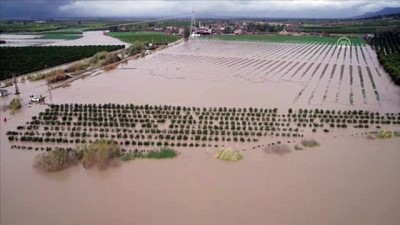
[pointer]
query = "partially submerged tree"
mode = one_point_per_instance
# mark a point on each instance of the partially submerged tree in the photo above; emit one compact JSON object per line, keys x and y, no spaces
{"x":15,"y":104}
{"x":55,"y":160}
{"x":101,"y":153}
{"x":186,"y":33}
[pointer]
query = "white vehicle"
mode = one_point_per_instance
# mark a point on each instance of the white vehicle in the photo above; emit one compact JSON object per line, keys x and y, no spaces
{"x":35,"y":98}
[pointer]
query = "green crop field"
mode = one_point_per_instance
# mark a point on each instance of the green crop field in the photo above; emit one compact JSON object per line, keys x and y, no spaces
{"x":285,"y":39}
{"x":351,"y":27}
{"x":341,"y":30}
{"x":146,"y":37}
{"x":22,"y":60}
{"x":29,"y":27}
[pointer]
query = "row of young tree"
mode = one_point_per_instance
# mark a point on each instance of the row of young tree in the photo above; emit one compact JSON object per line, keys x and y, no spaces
{"x":387,"y":46}
{"x":138,"y":126}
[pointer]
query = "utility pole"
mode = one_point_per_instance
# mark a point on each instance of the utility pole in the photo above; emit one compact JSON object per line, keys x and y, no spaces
{"x":16,"y":85}
{"x":192,"y":23}
{"x":51,"y":96}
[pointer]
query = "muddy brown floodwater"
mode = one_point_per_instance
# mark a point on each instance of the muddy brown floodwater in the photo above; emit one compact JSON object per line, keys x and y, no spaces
{"x":88,"y":38}
{"x":347,"y":180}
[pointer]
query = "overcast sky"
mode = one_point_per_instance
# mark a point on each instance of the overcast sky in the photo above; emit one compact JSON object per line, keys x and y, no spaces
{"x":35,"y":9}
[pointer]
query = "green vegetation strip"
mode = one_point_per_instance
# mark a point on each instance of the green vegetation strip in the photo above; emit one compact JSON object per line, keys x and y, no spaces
{"x":285,"y":39}
{"x":162,"y":153}
{"x":22,"y":60}
{"x":145,"y":37}
{"x":30,"y":27}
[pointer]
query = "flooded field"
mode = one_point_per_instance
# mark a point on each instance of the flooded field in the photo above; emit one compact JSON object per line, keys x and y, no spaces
{"x":22,"y":40}
{"x":91,"y":38}
{"x":88,"y":38}
{"x":349,"y":179}
{"x":247,"y":74}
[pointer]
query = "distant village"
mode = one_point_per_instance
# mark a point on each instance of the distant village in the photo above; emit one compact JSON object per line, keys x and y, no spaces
{"x":292,"y":28}
{"x":213,"y":28}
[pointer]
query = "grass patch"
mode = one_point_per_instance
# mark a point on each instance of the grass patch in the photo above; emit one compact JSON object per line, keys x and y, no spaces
{"x":162,"y":153}
{"x":310,"y":143}
{"x":229,"y":154}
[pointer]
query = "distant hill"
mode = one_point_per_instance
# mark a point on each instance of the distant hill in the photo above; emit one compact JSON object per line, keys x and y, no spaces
{"x":382,"y":12}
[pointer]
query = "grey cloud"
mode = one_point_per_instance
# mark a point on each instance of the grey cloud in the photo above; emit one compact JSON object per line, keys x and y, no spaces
{"x":30,"y":9}
{"x":170,"y":8}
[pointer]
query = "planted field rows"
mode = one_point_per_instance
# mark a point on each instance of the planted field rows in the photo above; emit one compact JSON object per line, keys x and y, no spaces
{"x":322,"y":73}
{"x":139,"y":128}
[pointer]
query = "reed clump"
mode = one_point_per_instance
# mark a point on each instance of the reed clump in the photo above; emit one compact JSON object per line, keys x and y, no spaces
{"x":279,"y":149}
{"x":229,"y":154}
{"x":384,"y":134}
{"x":310,"y":143}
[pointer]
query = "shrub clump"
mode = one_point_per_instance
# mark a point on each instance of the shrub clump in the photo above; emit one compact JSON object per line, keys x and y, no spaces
{"x":111,"y":58}
{"x":55,"y":160}
{"x":104,"y":58}
{"x":136,"y":48}
{"x":384,"y":134}
{"x":298,"y":147}
{"x":57,"y":77}
{"x":15,"y":104}
{"x":280,"y":149}
{"x":101,"y":153}
{"x":98,"y":57}
{"x":309,"y":143}
{"x":229,"y":154}
{"x":46,"y":75}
